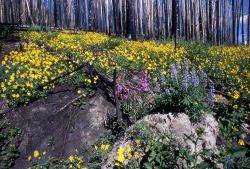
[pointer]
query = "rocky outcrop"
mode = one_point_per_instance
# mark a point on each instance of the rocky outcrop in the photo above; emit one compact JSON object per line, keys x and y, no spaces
{"x":59,"y":132}
{"x":179,"y":127}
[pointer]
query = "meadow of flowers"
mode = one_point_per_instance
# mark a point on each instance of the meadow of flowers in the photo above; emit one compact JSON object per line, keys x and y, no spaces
{"x":24,"y":71}
{"x":204,"y":74}
{"x":226,"y":66}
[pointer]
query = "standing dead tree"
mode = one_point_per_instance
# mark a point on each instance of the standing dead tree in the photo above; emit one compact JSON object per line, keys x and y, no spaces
{"x":216,"y":21}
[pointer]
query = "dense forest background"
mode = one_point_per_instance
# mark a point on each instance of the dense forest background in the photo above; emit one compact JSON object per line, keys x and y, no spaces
{"x":216,"y":21}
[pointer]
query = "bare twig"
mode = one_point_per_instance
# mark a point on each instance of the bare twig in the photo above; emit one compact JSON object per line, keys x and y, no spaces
{"x":70,"y":103}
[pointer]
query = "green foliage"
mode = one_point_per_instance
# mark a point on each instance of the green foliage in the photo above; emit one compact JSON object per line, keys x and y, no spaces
{"x":163,"y":154}
{"x":100,"y":151}
{"x":232,"y":153}
{"x":35,"y":28}
{"x":140,"y":131}
{"x":135,"y":110}
{"x":168,"y":153}
{"x":174,"y":98}
{"x":74,"y":161}
{"x":76,"y":78}
{"x":8,"y":144}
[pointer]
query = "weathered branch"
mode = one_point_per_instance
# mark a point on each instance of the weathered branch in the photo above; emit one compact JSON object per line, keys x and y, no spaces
{"x":69,"y":103}
{"x":62,"y":76}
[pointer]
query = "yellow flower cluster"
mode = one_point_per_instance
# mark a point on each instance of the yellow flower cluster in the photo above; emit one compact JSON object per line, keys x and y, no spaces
{"x":149,"y":55}
{"x":76,"y":162}
{"x":81,"y":46}
{"x":227,"y":65}
{"x":36,"y":154}
{"x":103,"y":147}
{"x":127,"y":152}
{"x":73,"y":161}
{"x":32,"y":36}
{"x":231,"y":66}
{"x":241,"y":142}
{"x":90,"y":47}
{"x":25,"y":70}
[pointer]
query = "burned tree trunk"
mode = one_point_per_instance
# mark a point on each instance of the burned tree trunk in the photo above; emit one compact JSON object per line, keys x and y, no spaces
{"x":233,"y":23}
{"x":55,"y":13}
{"x":248,"y":23}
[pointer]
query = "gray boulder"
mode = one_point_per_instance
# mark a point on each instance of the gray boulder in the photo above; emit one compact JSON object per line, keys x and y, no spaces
{"x":177,"y":126}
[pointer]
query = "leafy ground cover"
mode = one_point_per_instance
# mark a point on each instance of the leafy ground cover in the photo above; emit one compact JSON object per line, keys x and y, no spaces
{"x":195,"y":78}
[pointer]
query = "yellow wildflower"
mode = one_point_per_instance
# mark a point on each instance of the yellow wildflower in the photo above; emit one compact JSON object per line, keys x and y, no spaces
{"x":241,"y":142}
{"x":120,"y":150}
{"x":130,"y":156}
{"x":236,"y":95}
{"x":138,"y":142}
{"x":235,"y":129}
{"x":105,"y":146}
{"x":117,"y":164}
{"x":128,"y":148}
{"x":29,"y":158}
{"x":136,"y":155}
{"x":71,"y":158}
{"x":78,"y":91}
{"x":36,"y":154}
{"x":89,"y":81}
{"x":121,"y":158}
{"x":236,"y":106}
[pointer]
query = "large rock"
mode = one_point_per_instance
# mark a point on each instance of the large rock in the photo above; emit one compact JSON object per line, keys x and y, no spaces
{"x":59,"y":133}
{"x":177,"y":126}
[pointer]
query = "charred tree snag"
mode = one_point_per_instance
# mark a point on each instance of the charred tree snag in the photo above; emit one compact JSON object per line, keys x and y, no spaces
{"x":216,"y":21}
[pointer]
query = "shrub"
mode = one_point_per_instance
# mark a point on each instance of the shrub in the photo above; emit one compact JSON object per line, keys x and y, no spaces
{"x":35,"y":28}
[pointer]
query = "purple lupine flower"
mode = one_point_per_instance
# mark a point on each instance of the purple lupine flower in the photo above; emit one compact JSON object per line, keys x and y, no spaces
{"x":211,"y":94}
{"x":229,"y":163}
{"x":167,"y":92}
{"x":186,"y":72}
{"x":203,"y":78}
{"x":163,"y":79}
{"x":197,"y":81}
{"x":186,"y":76}
{"x":195,"y":78}
{"x":168,"y":77}
{"x":178,"y":67}
{"x":185,"y":84}
{"x":174,"y":73}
